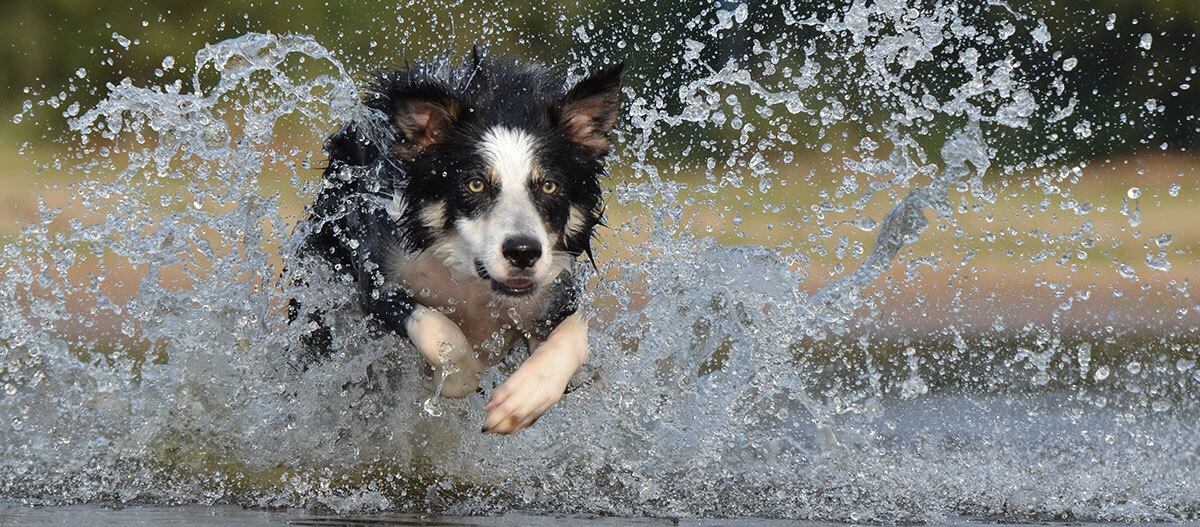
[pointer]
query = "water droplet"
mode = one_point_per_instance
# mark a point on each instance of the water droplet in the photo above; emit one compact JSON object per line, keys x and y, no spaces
{"x":1006,"y":30}
{"x":692,"y":50}
{"x":863,"y":223}
{"x":1083,"y":129}
{"x":913,"y":386}
{"x":1146,"y":41}
{"x":1134,"y":214}
{"x":1041,"y":34}
{"x":1133,"y":192}
{"x":741,"y":12}
{"x":1084,"y":356}
{"x":431,"y":406}
{"x":1111,"y":23}
{"x":168,"y":62}
{"x":1126,"y":271}
{"x":1184,"y":365}
{"x":1070,"y":63}
{"x":1173,"y":190}
{"x":1041,"y":378}
{"x":124,"y":42}
{"x":1158,"y":262}
{"x":1101,"y":373}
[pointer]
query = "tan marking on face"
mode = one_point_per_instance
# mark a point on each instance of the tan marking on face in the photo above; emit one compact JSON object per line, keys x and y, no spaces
{"x":575,"y":221}
{"x":434,"y":216}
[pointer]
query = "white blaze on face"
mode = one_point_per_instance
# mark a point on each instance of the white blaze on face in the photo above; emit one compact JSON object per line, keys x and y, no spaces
{"x":510,"y":157}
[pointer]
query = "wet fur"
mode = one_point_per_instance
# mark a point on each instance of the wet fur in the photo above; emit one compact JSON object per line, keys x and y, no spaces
{"x":399,"y":216}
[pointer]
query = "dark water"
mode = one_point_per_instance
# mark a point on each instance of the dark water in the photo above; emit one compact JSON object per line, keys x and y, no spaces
{"x":196,"y":516}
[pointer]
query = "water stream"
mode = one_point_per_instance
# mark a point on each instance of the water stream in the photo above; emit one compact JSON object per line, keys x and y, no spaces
{"x":844,"y":360}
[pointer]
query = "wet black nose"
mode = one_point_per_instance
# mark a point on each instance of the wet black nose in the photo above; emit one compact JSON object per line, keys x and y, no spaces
{"x":521,"y":252}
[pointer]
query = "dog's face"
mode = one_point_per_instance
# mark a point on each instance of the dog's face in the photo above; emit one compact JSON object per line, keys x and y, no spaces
{"x":503,"y":177}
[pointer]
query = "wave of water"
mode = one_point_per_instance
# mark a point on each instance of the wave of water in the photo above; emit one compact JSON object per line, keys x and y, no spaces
{"x":144,"y":352}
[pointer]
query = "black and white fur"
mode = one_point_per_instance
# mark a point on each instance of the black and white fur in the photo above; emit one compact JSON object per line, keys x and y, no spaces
{"x":459,"y":209}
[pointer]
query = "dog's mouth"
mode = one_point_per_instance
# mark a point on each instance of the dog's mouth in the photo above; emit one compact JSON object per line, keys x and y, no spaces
{"x":510,"y":287}
{"x":513,"y":286}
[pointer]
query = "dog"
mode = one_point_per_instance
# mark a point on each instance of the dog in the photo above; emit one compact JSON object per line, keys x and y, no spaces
{"x":459,"y":209}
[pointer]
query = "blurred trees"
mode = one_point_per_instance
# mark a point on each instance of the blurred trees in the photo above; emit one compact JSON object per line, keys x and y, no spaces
{"x":77,"y":46}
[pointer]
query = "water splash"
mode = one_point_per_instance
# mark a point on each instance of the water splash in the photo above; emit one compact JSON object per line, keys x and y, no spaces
{"x":723,"y":387}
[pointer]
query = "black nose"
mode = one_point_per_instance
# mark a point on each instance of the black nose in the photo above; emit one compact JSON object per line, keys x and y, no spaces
{"x":521,"y":252}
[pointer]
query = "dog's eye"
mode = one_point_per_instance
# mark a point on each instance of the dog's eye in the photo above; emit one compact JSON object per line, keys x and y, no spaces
{"x":549,"y":187}
{"x":475,"y":185}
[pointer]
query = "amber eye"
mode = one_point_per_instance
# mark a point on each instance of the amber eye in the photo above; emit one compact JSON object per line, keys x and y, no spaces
{"x":475,"y":185}
{"x":549,"y":187}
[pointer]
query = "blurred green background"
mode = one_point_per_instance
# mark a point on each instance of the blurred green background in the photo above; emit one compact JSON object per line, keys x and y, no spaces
{"x":44,"y":43}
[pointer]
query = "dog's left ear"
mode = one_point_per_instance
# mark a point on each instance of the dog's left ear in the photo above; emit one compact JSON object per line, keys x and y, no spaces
{"x":590,"y":109}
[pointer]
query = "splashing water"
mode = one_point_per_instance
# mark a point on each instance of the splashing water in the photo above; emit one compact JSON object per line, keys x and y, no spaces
{"x":794,"y":380}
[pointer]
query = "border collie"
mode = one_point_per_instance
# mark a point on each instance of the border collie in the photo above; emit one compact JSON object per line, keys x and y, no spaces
{"x":459,"y":212}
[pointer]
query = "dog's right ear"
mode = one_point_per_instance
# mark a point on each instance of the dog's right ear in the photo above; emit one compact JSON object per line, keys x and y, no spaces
{"x":422,"y":115}
{"x":590,"y":110}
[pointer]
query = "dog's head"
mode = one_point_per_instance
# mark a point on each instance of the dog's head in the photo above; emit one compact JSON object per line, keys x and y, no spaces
{"x":501,"y":166}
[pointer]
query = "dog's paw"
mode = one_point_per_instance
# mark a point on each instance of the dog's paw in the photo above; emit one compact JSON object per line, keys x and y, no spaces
{"x":456,"y":369}
{"x":522,"y":399}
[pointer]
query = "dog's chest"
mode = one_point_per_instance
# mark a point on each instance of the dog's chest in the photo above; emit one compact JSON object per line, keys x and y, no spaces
{"x":491,"y":323}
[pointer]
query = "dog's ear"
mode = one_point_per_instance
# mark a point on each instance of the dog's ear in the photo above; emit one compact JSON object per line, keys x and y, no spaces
{"x":589,"y":110}
{"x":423,"y":115}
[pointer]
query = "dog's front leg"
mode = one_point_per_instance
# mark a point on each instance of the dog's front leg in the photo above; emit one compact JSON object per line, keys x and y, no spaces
{"x":443,"y":344}
{"x":455,"y":365}
{"x":541,"y":380}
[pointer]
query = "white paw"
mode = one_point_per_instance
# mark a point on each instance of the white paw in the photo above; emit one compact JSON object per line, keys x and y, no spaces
{"x":523,"y":398}
{"x":540,"y":382}
{"x":455,"y":366}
